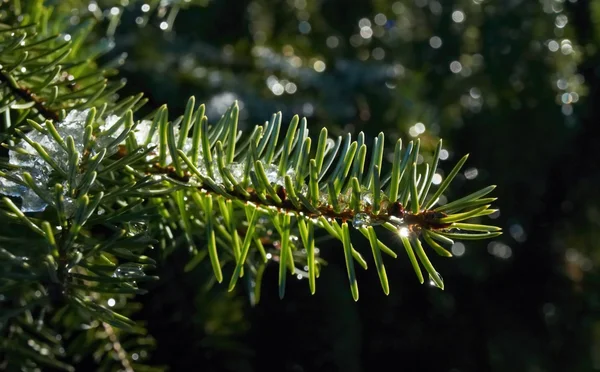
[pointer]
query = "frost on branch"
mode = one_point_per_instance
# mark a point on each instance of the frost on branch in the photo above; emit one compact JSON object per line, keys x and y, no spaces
{"x":23,"y":157}
{"x":26,"y":159}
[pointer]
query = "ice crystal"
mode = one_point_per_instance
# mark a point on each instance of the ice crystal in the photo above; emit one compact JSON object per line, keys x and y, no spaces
{"x":105,"y":139}
{"x":26,"y":159}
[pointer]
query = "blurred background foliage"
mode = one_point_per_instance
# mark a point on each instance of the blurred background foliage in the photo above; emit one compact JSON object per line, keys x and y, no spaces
{"x":515,"y":83}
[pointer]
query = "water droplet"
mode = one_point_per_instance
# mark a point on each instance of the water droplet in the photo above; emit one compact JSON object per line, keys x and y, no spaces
{"x":404,"y":231}
{"x":471,"y":173}
{"x":366,"y":198}
{"x":361,"y":220}
{"x":129,"y":270}
{"x":304,"y":189}
{"x":433,"y":283}
{"x":384,"y":204}
{"x":323,"y":199}
{"x":69,"y":205}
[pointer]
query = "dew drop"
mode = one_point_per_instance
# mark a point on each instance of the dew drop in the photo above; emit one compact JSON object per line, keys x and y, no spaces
{"x":304,"y":189}
{"x":366,"y":198}
{"x":361,"y":220}
{"x":324,"y":199}
{"x":433,"y":283}
{"x":128,"y":270}
{"x":404,"y":231}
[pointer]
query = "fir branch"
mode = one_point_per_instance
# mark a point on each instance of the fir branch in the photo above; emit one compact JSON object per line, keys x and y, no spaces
{"x":98,"y":188}
{"x":328,"y":197}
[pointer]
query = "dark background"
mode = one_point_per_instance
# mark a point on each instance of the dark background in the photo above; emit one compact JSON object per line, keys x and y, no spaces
{"x":524,"y":105}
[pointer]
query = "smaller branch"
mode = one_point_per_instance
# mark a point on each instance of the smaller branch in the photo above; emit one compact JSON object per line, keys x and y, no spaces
{"x":26,"y":95}
{"x":425,"y":219}
{"x":114,"y":340}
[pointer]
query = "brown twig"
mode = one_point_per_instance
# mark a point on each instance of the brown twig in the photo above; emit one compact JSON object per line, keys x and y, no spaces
{"x":426,"y":219}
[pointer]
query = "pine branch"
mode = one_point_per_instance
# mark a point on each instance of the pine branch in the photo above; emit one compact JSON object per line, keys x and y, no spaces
{"x":98,"y":188}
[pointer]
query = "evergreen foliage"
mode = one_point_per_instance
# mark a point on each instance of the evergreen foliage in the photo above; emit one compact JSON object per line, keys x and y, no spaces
{"x":91,"y":186}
